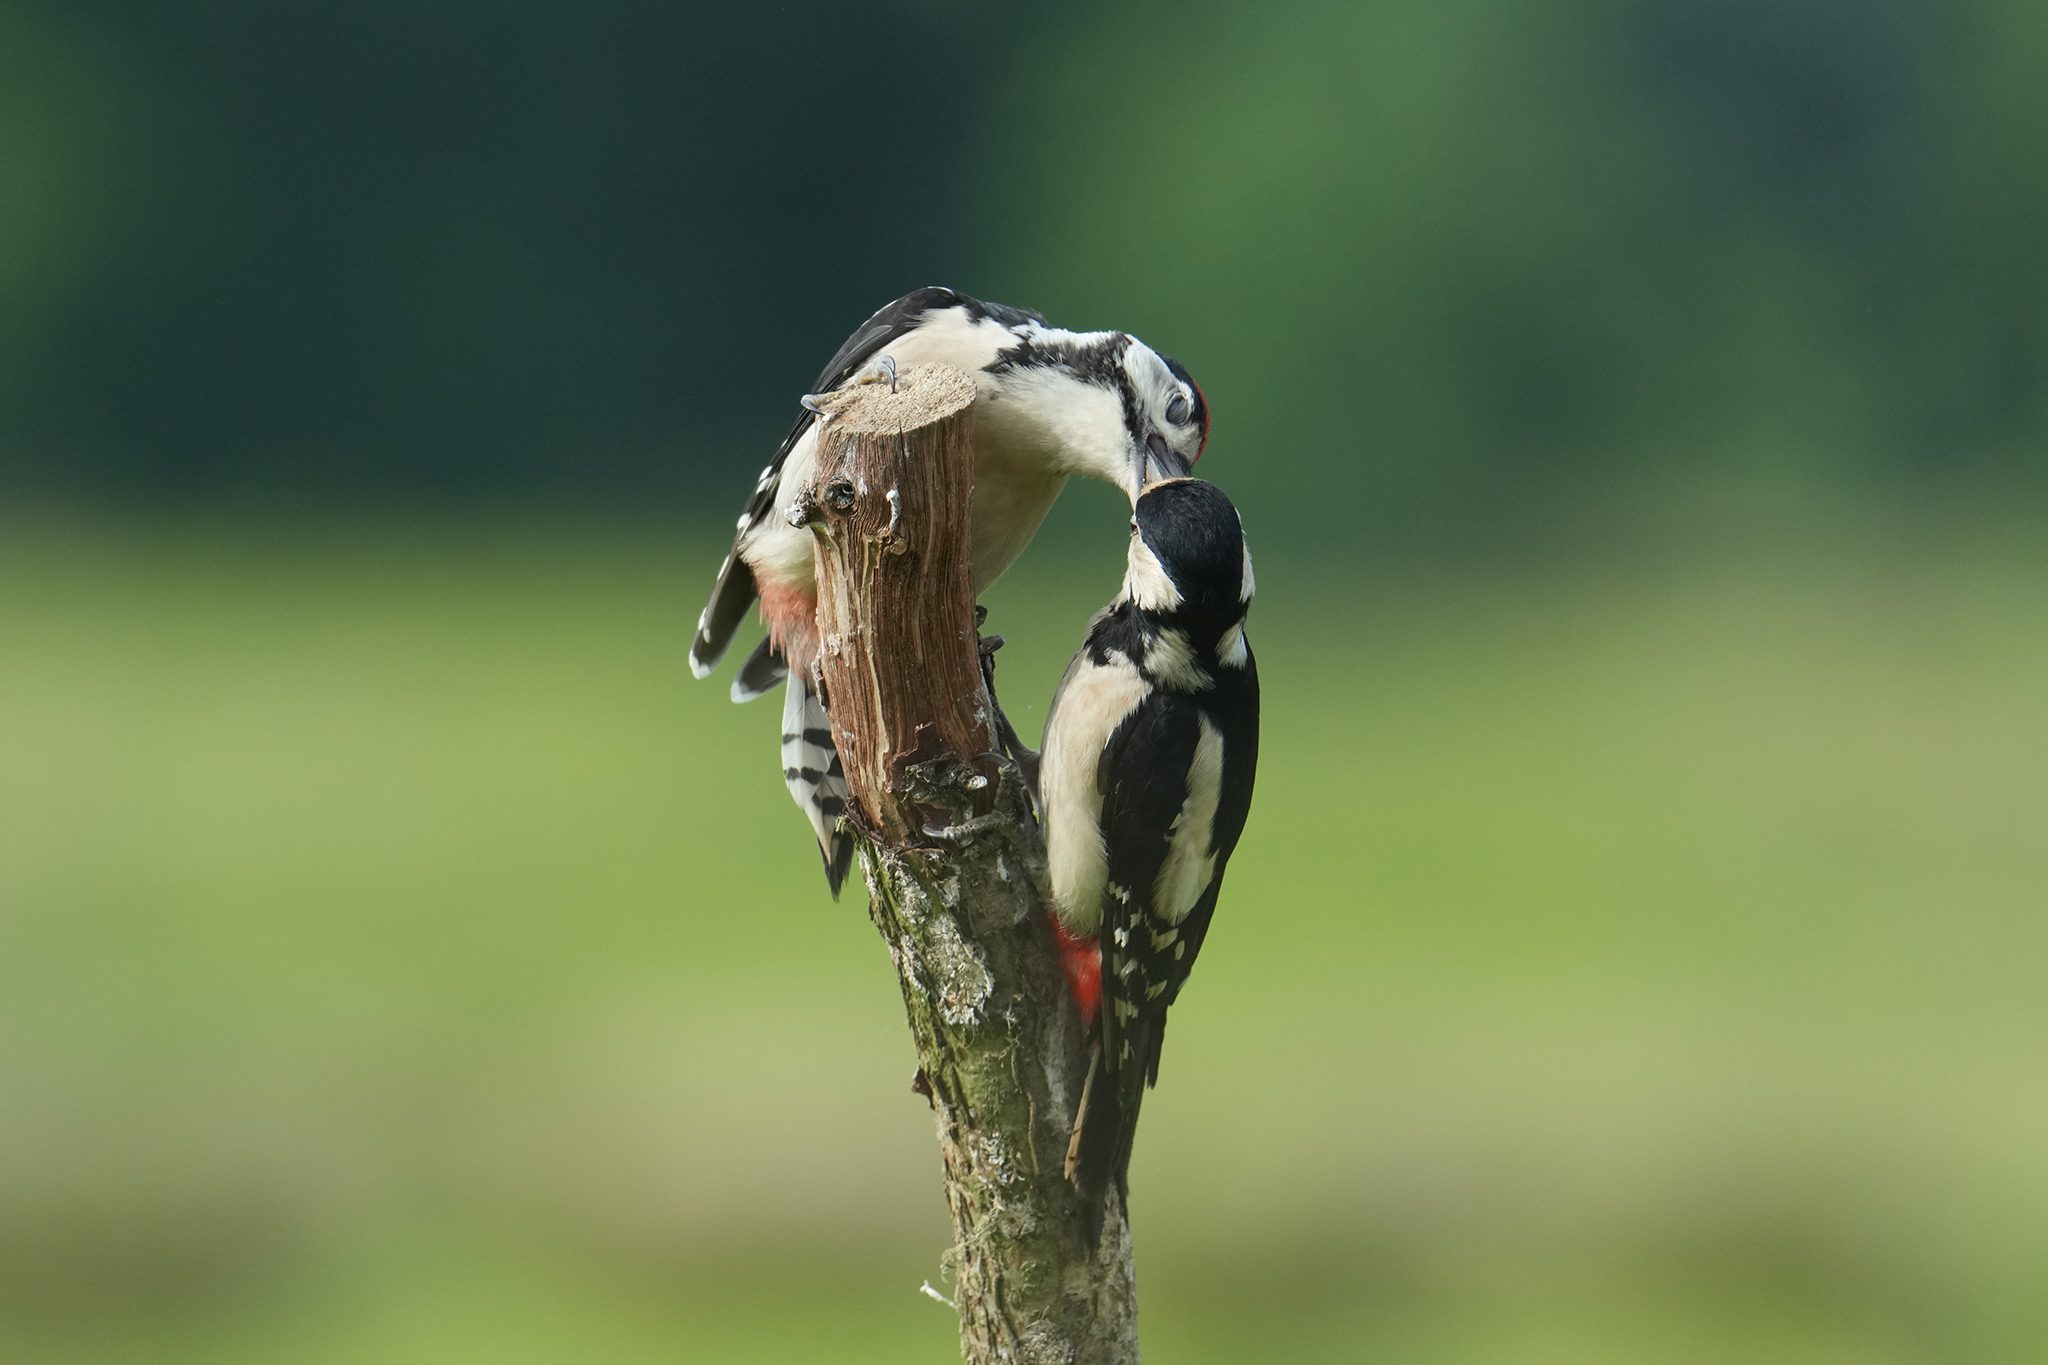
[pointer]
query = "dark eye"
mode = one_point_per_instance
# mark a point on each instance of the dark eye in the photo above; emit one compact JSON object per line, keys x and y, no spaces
{"x":1177,"y":409}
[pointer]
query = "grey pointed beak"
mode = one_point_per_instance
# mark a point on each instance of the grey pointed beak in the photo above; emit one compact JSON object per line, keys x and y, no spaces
{"x":1159,"y":461}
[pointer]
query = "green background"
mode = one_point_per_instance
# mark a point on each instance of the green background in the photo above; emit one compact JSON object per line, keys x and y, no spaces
{"x":1636,"y":409}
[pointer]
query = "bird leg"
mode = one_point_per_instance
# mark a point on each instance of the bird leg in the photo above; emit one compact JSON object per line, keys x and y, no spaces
{"x":1006,"y":734}
{"x":879,"y":370}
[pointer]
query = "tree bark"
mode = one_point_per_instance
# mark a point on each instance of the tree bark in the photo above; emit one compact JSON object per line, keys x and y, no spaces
{"x":955,"y":872}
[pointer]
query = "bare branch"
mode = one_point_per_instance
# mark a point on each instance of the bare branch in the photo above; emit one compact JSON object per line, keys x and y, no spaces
{"x":955,"y":874}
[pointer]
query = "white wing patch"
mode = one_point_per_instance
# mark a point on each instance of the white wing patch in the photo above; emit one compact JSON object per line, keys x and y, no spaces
{"x":1231,"y":650}
{"x":1190,"y":861}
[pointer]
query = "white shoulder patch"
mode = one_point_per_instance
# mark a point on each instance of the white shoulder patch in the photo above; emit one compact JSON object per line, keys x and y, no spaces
{"x":1231,"y":650}
{"x":950,"y":336}
{"x":1190,"y":864}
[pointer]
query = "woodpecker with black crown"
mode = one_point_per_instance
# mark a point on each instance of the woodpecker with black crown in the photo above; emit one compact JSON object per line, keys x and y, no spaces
{"x":1150,"y":749}
{"x":1049,"y":403}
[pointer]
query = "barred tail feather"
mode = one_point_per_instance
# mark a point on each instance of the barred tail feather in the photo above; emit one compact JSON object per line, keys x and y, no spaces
{"x":816,"y":781}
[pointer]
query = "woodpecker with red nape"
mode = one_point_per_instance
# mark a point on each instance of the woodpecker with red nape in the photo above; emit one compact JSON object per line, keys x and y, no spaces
{"x":1048,"y":403}
{"x":1151,"y":745}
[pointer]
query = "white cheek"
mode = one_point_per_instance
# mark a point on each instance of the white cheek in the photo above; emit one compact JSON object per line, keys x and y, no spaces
{"x":1081,"y":426}
{"x":1146,"y":581}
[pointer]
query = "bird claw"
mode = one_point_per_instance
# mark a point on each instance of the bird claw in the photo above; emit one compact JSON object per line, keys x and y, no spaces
{"x":875,"y":372}
{"x":1019,"y":765}
{"x":968,"y":829}
{"x":1012,"y":750}
{"x":880,"y":368}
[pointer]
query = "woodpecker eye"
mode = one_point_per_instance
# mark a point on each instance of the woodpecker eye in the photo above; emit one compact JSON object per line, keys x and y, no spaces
{"x":1177,"y":408}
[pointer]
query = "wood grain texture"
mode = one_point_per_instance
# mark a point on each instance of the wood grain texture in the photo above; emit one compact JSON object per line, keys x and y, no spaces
{"x":895,"y":599}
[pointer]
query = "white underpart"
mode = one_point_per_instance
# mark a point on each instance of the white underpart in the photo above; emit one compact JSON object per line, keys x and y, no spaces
{"x":775,"y":550}
{"x":1190,"y":860}
{"x":1032,"y":429}
{"x":1090,"y":706}
{"x":1146,"y":580}
{"x":1244,"y":592}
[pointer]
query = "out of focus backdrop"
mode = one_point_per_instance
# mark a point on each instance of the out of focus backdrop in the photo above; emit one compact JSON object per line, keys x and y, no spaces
{"x":1637,"y":410}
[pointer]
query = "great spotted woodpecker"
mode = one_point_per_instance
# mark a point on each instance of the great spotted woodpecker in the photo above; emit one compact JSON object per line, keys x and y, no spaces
{"x":1049,"y":403}
{"x":1150,"y":748}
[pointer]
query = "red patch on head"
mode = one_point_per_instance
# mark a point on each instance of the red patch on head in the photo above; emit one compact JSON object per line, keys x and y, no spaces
{"x":1081,"y":960}
{"x":1201,"y":406}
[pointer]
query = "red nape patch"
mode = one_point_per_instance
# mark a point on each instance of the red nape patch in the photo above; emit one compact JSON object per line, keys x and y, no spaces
{"x":1081,"y":960}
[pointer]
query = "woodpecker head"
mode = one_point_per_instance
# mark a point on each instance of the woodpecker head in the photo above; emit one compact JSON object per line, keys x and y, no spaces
{"x":1188,"y":561}
{"x":1102,"y":404}
{"x":1169,"y":414}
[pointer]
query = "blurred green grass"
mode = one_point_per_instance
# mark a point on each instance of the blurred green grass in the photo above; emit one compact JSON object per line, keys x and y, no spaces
{"x":1630,"y":958}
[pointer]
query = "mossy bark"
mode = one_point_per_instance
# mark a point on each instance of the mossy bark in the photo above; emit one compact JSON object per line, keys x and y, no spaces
{"x":955,"y":873}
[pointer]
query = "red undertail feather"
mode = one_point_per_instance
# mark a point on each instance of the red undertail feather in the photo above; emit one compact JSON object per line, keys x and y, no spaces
{"x":791,"y":616}
{"x":1081,"y":960}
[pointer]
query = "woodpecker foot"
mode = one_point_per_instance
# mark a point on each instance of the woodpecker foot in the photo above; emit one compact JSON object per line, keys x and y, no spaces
{"x":877,"y":370}
{"x":968,"y":830}
{"x":1006,"y":734}
{"x":880,"y":370}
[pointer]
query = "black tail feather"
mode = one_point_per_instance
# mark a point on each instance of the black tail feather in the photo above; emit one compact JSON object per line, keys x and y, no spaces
{"x":730,"y":597}
{"x":763,"y":671}
{"x":838,"y":862}
{"x":1099,"y":1152}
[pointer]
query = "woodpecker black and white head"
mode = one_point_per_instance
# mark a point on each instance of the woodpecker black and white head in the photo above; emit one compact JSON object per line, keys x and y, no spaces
{"x":1050,"y":403}
{"x":1146,"y":776}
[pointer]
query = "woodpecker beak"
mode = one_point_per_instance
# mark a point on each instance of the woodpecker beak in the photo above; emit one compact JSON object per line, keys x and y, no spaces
{"x":1157,"y":462}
